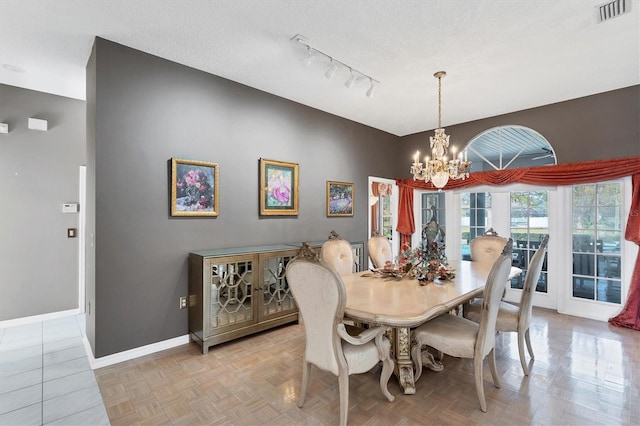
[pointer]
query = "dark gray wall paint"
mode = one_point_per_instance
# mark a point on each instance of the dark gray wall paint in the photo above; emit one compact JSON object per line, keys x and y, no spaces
{"x":38,"y":173}
{"x":595,"y":127}
{"x":148,"y":110}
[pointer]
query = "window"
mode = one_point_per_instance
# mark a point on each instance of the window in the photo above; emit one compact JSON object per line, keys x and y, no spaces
{"x":386,"y":217}
{"x":430,"y":200}
{"x":529,"y":223}
{"x":597,"y":239}
{"x":476,"y":218}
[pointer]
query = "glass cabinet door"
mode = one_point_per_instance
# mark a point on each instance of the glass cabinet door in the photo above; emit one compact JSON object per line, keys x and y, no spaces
{"x":231,"y":281}
{"x":276,"y":297}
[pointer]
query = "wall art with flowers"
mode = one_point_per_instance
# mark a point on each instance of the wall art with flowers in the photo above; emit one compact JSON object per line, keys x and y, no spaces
{"x":278,"y":188}
{"x":195,"y":186}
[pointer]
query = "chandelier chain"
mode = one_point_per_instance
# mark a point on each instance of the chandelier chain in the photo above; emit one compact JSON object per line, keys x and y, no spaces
{"x":439,"y":169}
{"x":439,"y":102}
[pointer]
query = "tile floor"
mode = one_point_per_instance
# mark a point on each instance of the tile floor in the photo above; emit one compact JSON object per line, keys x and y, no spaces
{"x":45,"y":377}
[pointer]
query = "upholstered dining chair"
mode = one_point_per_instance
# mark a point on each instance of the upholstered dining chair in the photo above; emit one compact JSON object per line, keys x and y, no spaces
{"x":338,"y":254}
{"x":516,"y":319}
{"x":487,"y":247}
{"x":379,"y":250}
{"x":321,"y":297}
{"x":462,"y":338}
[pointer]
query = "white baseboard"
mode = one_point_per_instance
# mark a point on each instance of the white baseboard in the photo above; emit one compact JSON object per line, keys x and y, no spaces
{"x":38,"y":318}
{"x":108,"y":360}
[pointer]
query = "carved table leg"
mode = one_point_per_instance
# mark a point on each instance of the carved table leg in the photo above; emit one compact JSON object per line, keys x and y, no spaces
{"x":404,"y":365}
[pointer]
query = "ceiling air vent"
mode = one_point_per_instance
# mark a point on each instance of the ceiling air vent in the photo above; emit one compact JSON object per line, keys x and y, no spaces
{"x":612,"y":9}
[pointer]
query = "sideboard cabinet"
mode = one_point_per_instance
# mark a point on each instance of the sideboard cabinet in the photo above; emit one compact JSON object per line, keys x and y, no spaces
{"x":241,"y":291}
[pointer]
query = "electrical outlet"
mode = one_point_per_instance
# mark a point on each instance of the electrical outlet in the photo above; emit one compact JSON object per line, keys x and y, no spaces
{"x":183,"y":302}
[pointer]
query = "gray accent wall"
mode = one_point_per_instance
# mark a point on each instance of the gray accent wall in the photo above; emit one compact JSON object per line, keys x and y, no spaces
{"x":38,"y":173}
{"x":595,"y":127}
{"x":148,"y":110}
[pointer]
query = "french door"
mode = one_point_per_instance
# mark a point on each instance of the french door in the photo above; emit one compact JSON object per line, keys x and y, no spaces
{"x":600,"y":262}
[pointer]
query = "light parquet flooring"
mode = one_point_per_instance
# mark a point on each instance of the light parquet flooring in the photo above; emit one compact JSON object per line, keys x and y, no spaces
{"x":585,"y":373}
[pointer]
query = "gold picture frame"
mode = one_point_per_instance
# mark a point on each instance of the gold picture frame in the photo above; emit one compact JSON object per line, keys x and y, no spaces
{"x":278,"y":188}
{"x":339,"y":199}
{"x":195,"y":188}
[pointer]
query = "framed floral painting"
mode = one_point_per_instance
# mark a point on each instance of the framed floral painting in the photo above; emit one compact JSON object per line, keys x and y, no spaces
{"x":339,"y":199}
{"x":278,"y":188}
{"x":195,"y":186}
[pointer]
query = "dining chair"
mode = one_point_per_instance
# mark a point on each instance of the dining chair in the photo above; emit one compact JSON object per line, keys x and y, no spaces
{"x":379,"y":250}
{"x":321,"y":297}
{"x":516,"y":319}
{"x":463,"y":338}
{"x":338,"y":254}
{"x":487,"y":247}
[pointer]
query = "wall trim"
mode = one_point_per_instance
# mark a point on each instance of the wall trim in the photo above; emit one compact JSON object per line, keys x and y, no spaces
{"x":38,"y":318}
{"x":116,"y":358}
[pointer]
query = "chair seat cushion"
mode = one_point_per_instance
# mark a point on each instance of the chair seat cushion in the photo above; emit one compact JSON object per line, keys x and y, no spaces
{"x":360,"y":358}
{"x":507,"y":315}
{"x":450,"y":334}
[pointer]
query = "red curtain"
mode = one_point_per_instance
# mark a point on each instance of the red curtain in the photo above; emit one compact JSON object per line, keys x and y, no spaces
{"x":559,"y":175}
{"x":406,"y":225}
{"x":630,"y":315}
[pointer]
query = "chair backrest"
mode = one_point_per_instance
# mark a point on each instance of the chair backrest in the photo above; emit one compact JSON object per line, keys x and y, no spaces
{"x":338,"y":254}
{"x":530,"y":281}
{"x":321,"y":297}
{"x":379,"y":251}
{"x":487,"y":248}
{"x":496,"y":283}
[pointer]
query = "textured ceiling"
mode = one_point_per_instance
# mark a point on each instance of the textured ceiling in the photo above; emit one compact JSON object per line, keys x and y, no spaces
{"x":500,"y":55}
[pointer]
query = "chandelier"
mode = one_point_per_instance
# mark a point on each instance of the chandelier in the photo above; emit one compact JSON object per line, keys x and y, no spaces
{"x":438,"y":169}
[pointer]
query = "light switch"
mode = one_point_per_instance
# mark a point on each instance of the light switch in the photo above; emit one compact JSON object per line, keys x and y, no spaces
{"x":70,"y":208}
{"x":72,"y":232}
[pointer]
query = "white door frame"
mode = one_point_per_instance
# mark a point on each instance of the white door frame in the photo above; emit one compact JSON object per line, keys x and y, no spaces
{"x":395,"y":242}
{"x":82,"y":221}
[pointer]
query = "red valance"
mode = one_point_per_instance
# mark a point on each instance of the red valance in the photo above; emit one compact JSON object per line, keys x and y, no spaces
{"x":561,"y":174}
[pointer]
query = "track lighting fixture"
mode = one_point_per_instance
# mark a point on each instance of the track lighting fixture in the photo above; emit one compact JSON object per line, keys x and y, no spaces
{"x":352,"y":79}
{"x":315,"y":54}
{"x":371,"y":88}
{"x":331,"y":70}
{"x":310,"y":58}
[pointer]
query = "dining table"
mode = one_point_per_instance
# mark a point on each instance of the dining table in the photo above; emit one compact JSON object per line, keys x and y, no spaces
{"x":403,"y":303}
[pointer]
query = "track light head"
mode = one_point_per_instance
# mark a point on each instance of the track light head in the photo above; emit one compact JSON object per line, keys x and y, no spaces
{"x":308,"y":60}
{"x":371,"y":89}
{"x":352,"y":79}
{"x":331,"y":70}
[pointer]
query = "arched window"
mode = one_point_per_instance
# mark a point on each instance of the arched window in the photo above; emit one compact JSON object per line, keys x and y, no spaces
{"x":509,"y":147}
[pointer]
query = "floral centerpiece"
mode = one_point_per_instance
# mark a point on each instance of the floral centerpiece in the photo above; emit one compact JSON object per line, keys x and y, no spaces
{"x":426,"y":263}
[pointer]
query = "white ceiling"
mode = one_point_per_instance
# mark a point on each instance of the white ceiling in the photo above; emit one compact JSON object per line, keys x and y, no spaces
{"x":500,"y":55}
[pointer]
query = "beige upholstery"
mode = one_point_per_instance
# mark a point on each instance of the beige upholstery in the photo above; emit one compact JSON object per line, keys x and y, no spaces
{"x":338,"y":254}
{"x":321,"y":298}
{"x":518,"y":319}
{"x":463,"y":338}
{"x":487,"y":248}
{"x":379,"y":251}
